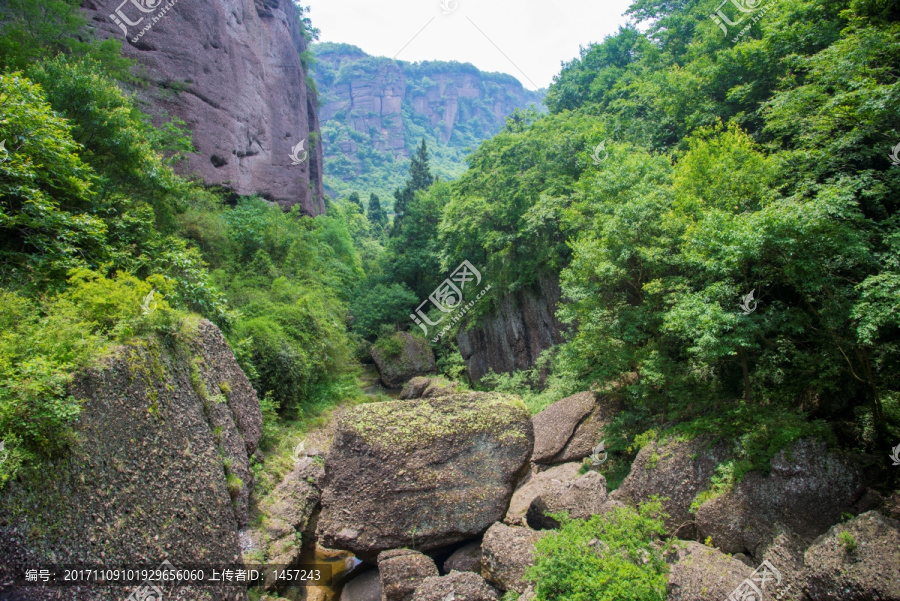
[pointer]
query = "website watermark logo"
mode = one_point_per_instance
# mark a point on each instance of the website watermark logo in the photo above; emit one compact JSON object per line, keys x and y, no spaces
{"x":4,"y":453}
{"x":751,"y":589}
{"x":895,"y":455}
{"x":732,"y":16}
{"x":448,"y":298}
{"x":299,"y":453}
{"x":299,"y":153}
{"x":448,"y":6}
{"x":599,"y":454}
{"x":145,"y":8}
{"x":748,"y":304}
{"x":4,"y":153}
{"x":894,"y":156}
{"x":599,"y":154}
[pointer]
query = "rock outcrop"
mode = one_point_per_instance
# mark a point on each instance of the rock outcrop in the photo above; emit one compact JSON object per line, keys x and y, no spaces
{"x":701,"y":573}
{"x":808,"y":490}
{"x":159,"y":467}
{"x":424,"y":388}
{"x":536,"y":484}
{"x":232,"y":70}
{"x":506,"y":554}
{"x":569,"y":429}
{"x":424,"y":473}
{"x":580,"y":499}
{"x":676,"y":471}
{"x":514,"y":335}
{"x":856,"y":561}
{"x":288,"y":511}
{"x":456,"y":586}
{"x":406,"y":356}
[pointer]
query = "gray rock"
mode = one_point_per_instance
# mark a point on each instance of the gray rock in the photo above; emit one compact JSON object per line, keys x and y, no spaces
{"x":808,"y":490}
{"x":365,"y":587}
{"x":415,"y":359}
{"x":465,"y":559}
{"x":144,"y":477}
{"x":456,"y":586}
{"x":288,"y":510}
{"x":856,"y":561}
{"x":580,"y":498}
{"x":245,"y":96}
{"x":506,"y":553}
{"x":702,"y":573}
{"x":784,"y":549}
{"x":676,"y":471}
{"x":589,"y":432}
{"x":425,"y":473}
{"x":402,"y":571}
{"x":534,"y":486}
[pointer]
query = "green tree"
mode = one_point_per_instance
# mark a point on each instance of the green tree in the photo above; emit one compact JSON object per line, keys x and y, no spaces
{"x":420,"y":178}
{"x":377,"y":215}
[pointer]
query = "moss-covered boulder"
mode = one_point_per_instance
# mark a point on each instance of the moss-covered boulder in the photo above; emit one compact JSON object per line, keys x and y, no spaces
{"x":423,"y":473}
{"x":401,"y":357}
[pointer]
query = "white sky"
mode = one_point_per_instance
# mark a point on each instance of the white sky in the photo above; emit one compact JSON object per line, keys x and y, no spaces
{"x":535,"y":37}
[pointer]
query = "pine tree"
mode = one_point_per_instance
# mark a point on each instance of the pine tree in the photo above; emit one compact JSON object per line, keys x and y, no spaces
{"x":377,"y":215}
{"x":420,"y":178}
{"x":354,"y":198}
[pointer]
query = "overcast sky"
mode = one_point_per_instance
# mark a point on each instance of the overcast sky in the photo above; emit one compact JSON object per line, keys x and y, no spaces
{"x":527,"y":39}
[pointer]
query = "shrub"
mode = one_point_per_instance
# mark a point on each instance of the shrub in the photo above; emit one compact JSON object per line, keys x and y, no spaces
{"x":613,"y":557}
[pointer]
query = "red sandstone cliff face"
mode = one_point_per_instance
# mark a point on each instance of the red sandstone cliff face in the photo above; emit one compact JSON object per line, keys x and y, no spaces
{"x":231,"y":70}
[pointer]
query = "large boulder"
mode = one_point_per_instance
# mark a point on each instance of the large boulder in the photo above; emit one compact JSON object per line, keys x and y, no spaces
{"x":701,"y":573}
{"x":365,"y":587}
{"x":159,"y":466}
{"x":465,"y":559}
{"x":555,"y":425}
{"x":402,"y":571}
{"x":856,"y":561}
{"x":808,"y":490}
{"x":456,"y":586}
{"x":674,"y":470}
{"x":784,"y":550}
{"x":425,"y":473}
{"x":402,"y":356}
{"x":422,"y":387}
{"x":506,"y":553}
{"x":580,"y":499}
{"x":536,"y":484}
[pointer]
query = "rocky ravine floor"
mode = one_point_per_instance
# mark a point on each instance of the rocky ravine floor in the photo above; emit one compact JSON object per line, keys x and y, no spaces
{"x":443,"y":495}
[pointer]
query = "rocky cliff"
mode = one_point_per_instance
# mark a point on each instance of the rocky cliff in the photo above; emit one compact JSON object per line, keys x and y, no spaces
{"x":233,"y":71}
{"x":375,"y":110}
{"x":515,"y":334}
{"x":159,"y":468}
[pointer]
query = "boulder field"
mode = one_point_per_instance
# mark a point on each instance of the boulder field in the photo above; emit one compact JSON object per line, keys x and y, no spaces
{"x":448,"y":492}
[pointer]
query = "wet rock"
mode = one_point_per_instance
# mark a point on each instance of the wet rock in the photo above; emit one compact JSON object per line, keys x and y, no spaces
{"x":365,"y":587}
{"x":402,"y":571}
{"x":580,"y":498}
{"x":676,"y":471}
{"x":465,"y":559}
{"x":856,"y":561}
{"x":414,"y":357}
{"x":506,"y":553}
{"x":536,"y":484}
{"x":424,"y":473}
{"x":702,"y":573}
{"x":808,"y":490}
{"x":456,"y":586}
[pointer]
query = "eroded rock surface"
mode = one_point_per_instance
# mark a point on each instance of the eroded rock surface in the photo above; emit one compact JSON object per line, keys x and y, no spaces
{"x":465,"y":559}
{"x":580,"y":499}
{"x":232,"y":71}
{"x":506,"y":553}
{"x":458,"y":586}
{"x":402,"y":571}
{"x":424,"y":473}
{"x":145,"y":478}
{"x":422,"y":387}
{"x":701,"y":573}
{"x":537,"y":483}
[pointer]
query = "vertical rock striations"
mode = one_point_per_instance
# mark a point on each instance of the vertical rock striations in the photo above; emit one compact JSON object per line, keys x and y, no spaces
{"x":232,"y":70}
{"x":515,"y":335}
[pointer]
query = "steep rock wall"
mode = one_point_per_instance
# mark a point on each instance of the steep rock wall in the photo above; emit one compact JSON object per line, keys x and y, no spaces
{"x":146,"y":478}
{"x":231,"y":70}
{"x":513,"y":337}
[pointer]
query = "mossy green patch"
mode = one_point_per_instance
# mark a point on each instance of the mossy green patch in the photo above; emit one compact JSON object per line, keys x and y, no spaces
{"x":407,"y":424}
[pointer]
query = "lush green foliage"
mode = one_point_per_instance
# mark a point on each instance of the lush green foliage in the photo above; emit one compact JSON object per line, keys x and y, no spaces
{"x":618,"y":556}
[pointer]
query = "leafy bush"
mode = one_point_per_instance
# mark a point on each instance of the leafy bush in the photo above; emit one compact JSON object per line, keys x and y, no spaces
{"x":613,"y":557}
{"x":381,"y":304}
